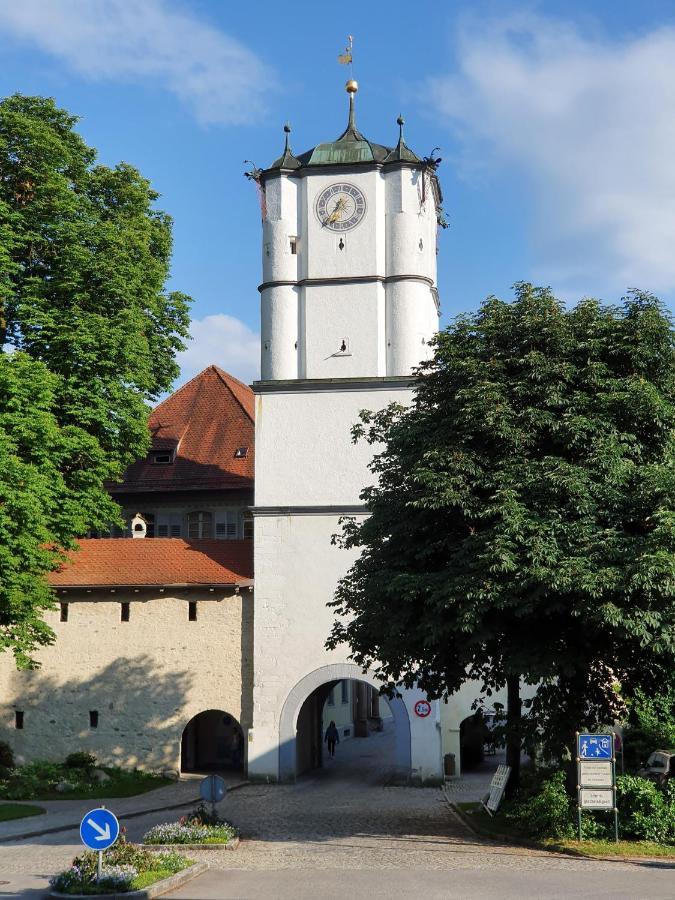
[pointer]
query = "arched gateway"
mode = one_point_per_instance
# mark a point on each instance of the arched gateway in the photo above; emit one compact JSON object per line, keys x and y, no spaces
{"x":324,"y":677}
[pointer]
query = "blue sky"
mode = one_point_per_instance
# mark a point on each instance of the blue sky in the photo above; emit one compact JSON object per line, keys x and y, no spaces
{"x":556,"y":123}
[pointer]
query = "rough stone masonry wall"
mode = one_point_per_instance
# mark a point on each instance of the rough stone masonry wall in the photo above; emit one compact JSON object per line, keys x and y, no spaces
{"x":146,"y":678}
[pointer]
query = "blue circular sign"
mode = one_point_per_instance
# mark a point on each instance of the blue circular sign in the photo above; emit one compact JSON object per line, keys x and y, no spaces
{"x":99,"y":829}
{"x":212,"y":789}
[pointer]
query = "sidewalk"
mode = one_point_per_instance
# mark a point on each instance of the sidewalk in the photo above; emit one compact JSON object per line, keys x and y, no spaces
{"x":62,"y":815}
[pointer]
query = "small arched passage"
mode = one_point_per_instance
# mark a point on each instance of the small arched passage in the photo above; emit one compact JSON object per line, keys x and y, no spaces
{"x":212,"y":741}
{"x":319,"y":683}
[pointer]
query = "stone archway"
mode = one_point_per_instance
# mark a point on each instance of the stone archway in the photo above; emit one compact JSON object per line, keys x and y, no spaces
{"x":212,"y":741}
{"x":325,"y":676}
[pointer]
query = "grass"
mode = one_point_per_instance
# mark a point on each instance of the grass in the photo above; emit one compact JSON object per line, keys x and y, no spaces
{"x":9,"y":811}
{"x":123,"y":783}
{"x":501,"y":830}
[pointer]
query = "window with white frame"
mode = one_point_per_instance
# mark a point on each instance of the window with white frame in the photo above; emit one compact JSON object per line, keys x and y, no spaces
{"x":200,"y":525}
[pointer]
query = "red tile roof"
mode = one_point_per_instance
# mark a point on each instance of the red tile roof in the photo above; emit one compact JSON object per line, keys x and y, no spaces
{"x":155,"y":561}
{"x":206,"y":420}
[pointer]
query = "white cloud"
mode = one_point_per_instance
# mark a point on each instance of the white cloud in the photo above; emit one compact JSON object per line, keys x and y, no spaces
{"x":590,"y":123}
{"x":147,"y":41}
{"x":224,"y":341}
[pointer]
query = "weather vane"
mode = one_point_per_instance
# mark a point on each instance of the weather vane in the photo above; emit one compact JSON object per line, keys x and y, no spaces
{"x":345,"y":59}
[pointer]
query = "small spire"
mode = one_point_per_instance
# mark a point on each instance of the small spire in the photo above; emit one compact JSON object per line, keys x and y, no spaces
{"x":351,"y":87}
{"x":400,"y":122}
{"x":287,"y":131}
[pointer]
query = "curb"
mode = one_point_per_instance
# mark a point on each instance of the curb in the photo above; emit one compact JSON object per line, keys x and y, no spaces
{"x":6,"y":839}
{"x":153,"y":890}
{"x":231,"y":845}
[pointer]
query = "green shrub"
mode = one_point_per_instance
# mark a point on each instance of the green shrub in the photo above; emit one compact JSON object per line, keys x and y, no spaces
{"x":646,"y":813}
{"x":80,"y":760}
{"x":651,"y":726}
{"x":6,"y":756}
{"x":547,"y":813}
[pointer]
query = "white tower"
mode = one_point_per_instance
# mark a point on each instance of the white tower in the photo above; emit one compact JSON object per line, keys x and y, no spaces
{"x":349,"y":303}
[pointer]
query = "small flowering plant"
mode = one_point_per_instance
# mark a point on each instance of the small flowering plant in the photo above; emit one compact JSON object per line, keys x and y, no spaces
{"x":123,"y":863}
{"x":201,"y":827}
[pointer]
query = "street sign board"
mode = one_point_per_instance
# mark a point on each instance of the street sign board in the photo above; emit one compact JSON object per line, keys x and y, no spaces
{"x":594,"y":746}
{"x":596,"y":798}
{"x":99,"y":829}
{"x":212,"y":789}
{"x":595,"y":773}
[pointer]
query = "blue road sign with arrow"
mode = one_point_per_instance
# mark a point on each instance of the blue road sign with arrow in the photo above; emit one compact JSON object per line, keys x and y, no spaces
{"x":99,"y":829}
{"x":594,"y":746}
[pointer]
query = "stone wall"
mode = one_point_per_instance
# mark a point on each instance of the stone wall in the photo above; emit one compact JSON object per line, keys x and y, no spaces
{"x":146,"y":678}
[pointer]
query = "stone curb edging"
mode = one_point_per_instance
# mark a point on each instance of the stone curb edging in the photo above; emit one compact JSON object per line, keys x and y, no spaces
{"x":153,"y":890}
{"x":231,"y":845}
{"x":496,"y":838}
{"x":6,"y":839}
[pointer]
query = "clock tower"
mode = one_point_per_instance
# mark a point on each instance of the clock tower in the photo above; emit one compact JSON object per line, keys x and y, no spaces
{"x":348,"y":305}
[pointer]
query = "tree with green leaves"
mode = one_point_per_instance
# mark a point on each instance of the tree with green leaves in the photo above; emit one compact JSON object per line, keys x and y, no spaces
{"x":522,"y":522}
{"x":88,"y":337}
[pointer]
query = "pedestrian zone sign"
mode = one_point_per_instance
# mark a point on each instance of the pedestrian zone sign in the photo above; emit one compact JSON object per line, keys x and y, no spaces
{"x":594,"y":746}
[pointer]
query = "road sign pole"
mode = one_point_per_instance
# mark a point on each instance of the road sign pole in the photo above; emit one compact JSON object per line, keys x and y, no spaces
{"x":99,"y":867}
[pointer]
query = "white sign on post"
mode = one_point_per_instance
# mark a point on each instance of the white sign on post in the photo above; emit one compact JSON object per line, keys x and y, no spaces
{"x":595,"y":774}
{"x":598,"y":798}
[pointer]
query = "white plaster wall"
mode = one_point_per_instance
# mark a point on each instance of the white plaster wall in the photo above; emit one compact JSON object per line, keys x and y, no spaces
{"x":304,"y":451}
{"x":279,"y":332}
{"x":408,"y":305}
{"x":147,"y":677}
{"x":297,"y":571}
{"x":355,"y":313}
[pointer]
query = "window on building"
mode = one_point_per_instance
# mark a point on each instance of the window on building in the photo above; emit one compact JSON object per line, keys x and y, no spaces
{"x":93,"y":718}
{"x":226,"y":524}
{"x":200,"y":525}
{"x":331,"y":697}
{"x":124,"y":612}
{"x":344,"y":685}
{"x":247,"y":522}
{"x":64,"y":612}
{"x":18,"y":719}
{"x":192,"y":611}
{"x":169,"y":525}
{"x":241,"y":453}
{"x":163,"y":457}
{"x":294,"y":246}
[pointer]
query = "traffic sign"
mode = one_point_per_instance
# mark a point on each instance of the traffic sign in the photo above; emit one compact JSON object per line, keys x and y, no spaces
{"x":212,"y":789}
{"x":595,"y":773}
{"x":422,"y":708}
{"x":99,"y":829}
{"x":594,"y":746}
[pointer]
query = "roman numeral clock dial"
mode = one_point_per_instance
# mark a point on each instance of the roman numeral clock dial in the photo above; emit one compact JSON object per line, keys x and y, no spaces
{"x":340,"y":207}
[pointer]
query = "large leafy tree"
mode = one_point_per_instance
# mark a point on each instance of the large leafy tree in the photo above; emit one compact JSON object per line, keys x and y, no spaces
{"x":88,"y":337}
{"x":522,"y":521}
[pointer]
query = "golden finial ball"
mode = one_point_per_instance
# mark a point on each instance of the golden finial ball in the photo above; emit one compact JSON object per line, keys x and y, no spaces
{"x":352,"y":86}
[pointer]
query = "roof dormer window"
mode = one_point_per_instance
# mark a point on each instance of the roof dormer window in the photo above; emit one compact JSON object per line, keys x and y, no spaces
{"x":162,"y":457}
{"x":241,"y":453}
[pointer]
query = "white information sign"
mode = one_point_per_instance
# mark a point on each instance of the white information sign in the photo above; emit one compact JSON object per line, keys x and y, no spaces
{"x":598,"y":798}
{"x":595,"y":774}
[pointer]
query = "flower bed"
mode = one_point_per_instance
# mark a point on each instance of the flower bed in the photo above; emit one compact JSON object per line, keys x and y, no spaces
{"x":126,"y":867}
{"x":201,"y":827}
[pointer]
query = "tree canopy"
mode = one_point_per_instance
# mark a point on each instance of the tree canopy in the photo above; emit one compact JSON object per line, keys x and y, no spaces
{"x":88,"y":336}
{"x":522,"y":521}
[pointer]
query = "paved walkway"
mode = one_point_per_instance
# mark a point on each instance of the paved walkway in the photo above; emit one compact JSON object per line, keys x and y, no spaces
{"x":63,"y":814}
{"x":343,"y":830}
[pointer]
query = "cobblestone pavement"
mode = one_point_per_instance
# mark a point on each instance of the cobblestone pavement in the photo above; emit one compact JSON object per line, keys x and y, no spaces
{"x":343,"y":818}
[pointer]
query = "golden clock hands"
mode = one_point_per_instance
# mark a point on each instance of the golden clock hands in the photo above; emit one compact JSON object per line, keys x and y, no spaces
{"x":339,"y":206}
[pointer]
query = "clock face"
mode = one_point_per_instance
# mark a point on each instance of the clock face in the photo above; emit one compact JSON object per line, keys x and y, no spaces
{"x":340,"y":207}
